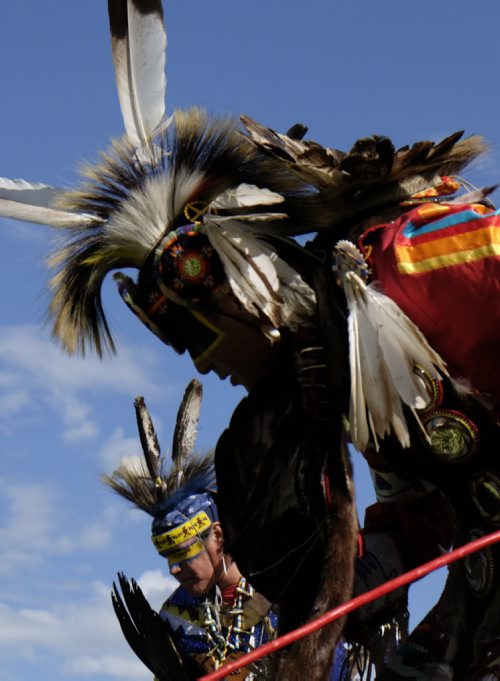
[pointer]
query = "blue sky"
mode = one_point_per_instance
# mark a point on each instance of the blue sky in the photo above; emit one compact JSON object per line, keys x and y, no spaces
{"x":347,"y":69}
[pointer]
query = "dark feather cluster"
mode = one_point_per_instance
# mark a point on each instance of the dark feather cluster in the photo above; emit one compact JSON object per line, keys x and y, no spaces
{"x":369,"y":178}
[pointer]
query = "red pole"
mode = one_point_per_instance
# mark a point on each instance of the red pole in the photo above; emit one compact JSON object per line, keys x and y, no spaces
{"x":353,"y":604}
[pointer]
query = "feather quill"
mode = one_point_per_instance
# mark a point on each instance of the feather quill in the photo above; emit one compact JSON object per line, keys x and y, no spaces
{"x":475,"y":196}
{"x":138,"y":41}
{"x":43,"y":216}
{"x":148,"y":438}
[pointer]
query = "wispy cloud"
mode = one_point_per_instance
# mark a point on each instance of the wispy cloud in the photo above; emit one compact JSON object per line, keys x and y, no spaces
{"x":109,"y":665}
{"x":26,"y":349}
{"x":36,"y":527}
{"x":156,"y":585}
{"x":117,"y":447}
{"x":83,"y":637}
{"x":34,"y":373}
{"x":71,"y":628}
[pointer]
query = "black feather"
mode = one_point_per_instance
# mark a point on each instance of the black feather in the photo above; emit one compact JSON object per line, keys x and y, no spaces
{"x":146,"y":633}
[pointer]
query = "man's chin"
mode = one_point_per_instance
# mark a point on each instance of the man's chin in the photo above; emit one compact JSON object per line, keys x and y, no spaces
{"x":194,"y":588}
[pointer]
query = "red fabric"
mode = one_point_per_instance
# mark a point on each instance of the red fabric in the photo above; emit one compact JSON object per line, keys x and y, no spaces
{"x":456,"y":306}
{"x":229,"y":593}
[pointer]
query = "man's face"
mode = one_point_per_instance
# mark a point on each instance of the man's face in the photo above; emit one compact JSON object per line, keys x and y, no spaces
{"x":244,"y":353}
{"x":195,"y":564}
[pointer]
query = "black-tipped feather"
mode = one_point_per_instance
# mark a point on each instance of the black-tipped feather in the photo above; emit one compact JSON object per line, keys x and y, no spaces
{"x":138,"y":42}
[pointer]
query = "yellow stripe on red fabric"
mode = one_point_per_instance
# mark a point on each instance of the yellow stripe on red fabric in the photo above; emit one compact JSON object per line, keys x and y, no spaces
{"x":457,"y":258}
{"x":479,"y":243}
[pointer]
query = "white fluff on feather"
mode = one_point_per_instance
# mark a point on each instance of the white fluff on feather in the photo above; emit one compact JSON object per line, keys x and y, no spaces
{"x":32,"y":193}
{"x":139,"y":224}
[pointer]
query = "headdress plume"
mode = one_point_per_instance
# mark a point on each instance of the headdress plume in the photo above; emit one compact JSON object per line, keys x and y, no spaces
{"x":154,"y":484}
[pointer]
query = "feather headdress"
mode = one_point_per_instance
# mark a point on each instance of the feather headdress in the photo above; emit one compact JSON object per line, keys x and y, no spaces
{"x":253,"y":189}
{"x":154,"y":484}
{"x":139,"y":191}
{"x":199,"y":161}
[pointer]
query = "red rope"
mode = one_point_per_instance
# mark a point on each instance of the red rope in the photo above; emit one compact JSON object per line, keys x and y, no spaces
{"x":353,"y":604}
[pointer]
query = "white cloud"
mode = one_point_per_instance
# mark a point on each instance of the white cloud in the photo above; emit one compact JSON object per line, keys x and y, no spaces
{"x":157,"y":585}
{"x":118,"y":447}
{"x":75,"y":414}
{"x":29,"y":526}
{"x":84,"y":431}
{"x":13,"y":401}
{"x":26,"y":349}
{"x":84,"y":636}
{"x":110,"y":665}
{"x":94,"y":537}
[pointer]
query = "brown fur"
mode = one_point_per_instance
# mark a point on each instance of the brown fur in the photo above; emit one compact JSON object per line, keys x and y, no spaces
{"x":311,"y":658}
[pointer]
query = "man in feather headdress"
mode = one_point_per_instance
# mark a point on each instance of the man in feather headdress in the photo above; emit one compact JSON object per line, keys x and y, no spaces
{"x":329,"y":356}
{"x":215,"y":615}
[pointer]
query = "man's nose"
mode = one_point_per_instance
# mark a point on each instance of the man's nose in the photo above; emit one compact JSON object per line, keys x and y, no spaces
{"x":175,"y":568}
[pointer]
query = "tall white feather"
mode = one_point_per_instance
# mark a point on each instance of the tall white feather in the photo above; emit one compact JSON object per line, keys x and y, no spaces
{"x":33,"y":202}
{"x":259,"y":278}
{"x":139,"y":59}
{"x":32,"y":193}
{"x":43,"y":216}
{"x":384,"y":345}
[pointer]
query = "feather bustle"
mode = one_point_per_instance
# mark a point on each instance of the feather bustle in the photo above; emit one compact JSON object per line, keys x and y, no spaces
{"x":133,"y":205}
{"x":384,"y":346}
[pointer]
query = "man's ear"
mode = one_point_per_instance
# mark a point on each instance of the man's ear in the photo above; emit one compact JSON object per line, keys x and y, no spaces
{"x":218,"y":535}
